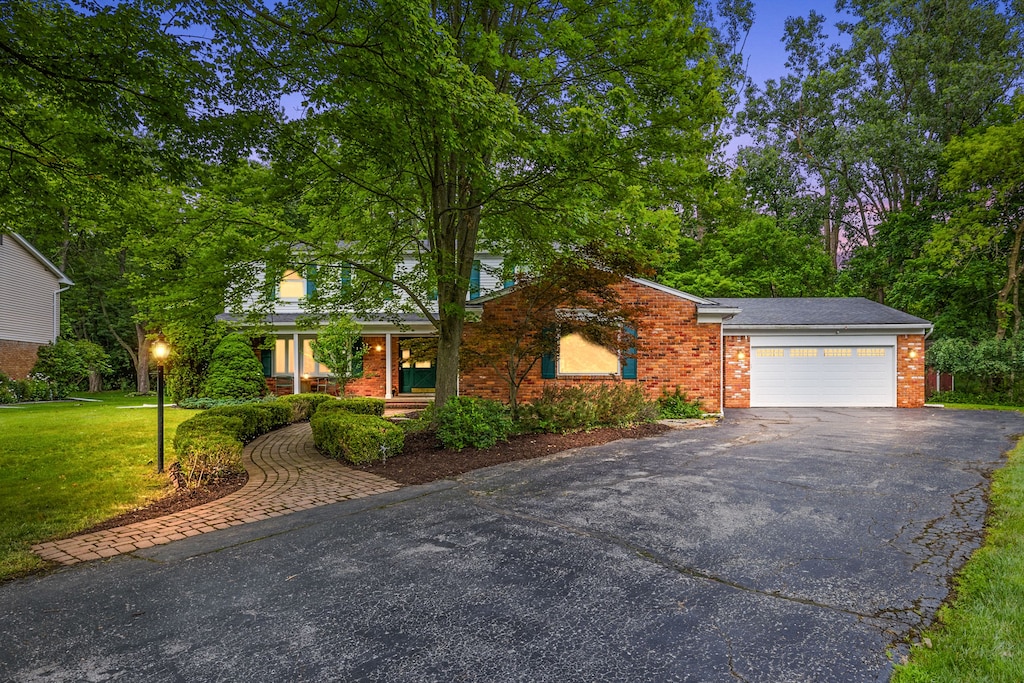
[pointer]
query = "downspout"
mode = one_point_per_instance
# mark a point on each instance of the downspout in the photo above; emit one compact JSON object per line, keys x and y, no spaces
{"x":56,"y":312}
{"x":721,"y":368}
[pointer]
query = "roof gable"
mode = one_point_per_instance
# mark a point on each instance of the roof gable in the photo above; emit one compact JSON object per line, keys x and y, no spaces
{"x":27,"y":246}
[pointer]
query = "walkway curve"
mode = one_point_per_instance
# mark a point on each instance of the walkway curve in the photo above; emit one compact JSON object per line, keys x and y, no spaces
{"x":286,"y":474}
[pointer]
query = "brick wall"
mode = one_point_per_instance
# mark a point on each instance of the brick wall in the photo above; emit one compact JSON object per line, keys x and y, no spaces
{"x":17,"y":358}
{"x":909,"y":370}
{"x":737,"y":372}
{"x":672,"y":349}
{"x":372,"y":383}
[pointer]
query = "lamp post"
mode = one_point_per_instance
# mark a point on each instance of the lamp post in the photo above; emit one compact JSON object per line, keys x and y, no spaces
{"x":160,"y":352}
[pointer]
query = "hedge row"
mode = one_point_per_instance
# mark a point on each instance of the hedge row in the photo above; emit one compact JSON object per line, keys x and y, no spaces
{"x":210,"y":444}
{"x":359,"y":439}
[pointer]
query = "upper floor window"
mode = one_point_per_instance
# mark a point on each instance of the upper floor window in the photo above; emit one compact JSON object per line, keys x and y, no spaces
{"x":292,"y":286}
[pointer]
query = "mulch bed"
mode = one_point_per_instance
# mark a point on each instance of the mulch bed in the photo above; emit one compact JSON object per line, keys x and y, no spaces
{"x":422,"y":460}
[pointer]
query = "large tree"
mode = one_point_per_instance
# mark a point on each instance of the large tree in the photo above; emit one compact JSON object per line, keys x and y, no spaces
{"x":862,"y":128}
{"x":440,"y":129}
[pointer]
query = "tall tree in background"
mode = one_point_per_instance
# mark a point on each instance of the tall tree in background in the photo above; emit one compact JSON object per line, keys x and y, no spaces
{"x":438,"y":130}
{"x":863,"y":128}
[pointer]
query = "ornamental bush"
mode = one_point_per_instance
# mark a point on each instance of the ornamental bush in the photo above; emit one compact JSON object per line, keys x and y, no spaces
{"x":466,"y":421}
{"x":234,"y":372}
{"x":678,"y":405}
{"x":358,"y":439}
{"x":305,"y":405}
{"x":355,"y":404}
{"x":579,"y":408}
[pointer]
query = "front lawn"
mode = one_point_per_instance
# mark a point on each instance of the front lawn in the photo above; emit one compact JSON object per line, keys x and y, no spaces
{"x":979,"y":636}
{"x":66,"y":466}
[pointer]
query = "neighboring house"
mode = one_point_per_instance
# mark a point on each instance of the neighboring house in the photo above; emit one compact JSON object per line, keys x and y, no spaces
{"x":30,"y":288}
{"x":729,"y":353}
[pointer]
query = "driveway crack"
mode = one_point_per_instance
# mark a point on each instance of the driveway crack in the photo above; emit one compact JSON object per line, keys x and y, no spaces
{"x":668,"y":563}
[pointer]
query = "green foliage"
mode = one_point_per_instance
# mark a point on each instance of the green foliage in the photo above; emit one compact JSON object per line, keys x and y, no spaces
{"x":579,"y":408}
{"x":235,"y":372}
{"x":678,"y":405}
{"x":362,"y":405}
{"x":305,"y":405}
{"x":35,"y":388}
{"x":205,"y":403}
{"x":338,"y":346}
{"x":66,"y":364}
{"x":358,"y":439}
{"x":209,"y":445}
{"x":977,"y":398}
{"x":466,"y":421}
{"x":192,"y":348}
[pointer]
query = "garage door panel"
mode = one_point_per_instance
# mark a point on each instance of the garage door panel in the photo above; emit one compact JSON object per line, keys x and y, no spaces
{"x":822,"y":374}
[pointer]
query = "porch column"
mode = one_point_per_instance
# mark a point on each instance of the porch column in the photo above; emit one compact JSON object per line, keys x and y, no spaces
{"x":387,"y":365}
{"x":296,"y":357}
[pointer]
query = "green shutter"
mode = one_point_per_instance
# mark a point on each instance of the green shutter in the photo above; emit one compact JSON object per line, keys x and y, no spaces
{"x":267,"y":359}
{"x":357,"y":358}
{"x":346,"y":277}
{"x":310,"y":281}
{"x":474,"y":281}
{"x":547,"y":361}
{"x":629,"y":358}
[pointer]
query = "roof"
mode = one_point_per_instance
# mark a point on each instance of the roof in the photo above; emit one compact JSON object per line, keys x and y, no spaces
{"x":817,"y":312}
{"x":61,"y":277}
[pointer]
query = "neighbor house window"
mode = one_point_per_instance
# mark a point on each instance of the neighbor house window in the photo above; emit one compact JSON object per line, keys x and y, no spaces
{"x":578,"y":356}
{"x":293,"y":286}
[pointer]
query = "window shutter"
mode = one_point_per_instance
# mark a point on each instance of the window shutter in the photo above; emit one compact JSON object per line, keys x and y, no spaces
{"x":474,"y":281}
{"x":357,"y":360}
{"x":310,"y":281}
{"x":268,"y":362}
{"x":629,"y":358}
{"x":547,"y":361}
{"x":346,"y":277}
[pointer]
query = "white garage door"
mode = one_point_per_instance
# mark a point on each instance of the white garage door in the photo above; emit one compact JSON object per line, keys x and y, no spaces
{"x":806,"y":374}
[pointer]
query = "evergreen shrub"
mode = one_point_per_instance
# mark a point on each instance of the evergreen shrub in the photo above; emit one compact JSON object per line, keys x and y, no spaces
{"x":234,"y":372}
{"x":305,"y":405}
{"x":466,"y":421}
{"x":358,"y":439}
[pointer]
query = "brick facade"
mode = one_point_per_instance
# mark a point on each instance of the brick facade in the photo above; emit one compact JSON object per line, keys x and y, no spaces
{"x":909,"y":370}
{"x":673,"y":349}
{"x":737,"y":371}
{"x":17,"y":358}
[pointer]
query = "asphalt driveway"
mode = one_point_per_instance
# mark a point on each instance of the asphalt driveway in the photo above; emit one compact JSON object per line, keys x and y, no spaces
{"x":782,"y":545}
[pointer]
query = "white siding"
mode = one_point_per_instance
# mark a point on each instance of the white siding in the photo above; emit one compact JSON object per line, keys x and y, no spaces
{"x":26,"y":295}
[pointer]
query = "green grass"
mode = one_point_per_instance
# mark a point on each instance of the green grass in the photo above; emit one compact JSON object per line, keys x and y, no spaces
{"x":979,"y":636}
{"x":68,"y":465}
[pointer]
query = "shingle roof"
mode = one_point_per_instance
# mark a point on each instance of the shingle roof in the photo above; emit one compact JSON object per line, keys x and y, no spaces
{"x":816,"y":312}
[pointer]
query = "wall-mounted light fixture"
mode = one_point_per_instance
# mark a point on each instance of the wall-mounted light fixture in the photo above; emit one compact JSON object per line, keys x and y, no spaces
{"x":913,"y":353}
{"x":740,"y":355}
{"x":378,"y":348}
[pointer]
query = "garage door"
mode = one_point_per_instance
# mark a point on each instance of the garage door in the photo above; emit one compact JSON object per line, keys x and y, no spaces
{"x":804,"y":374}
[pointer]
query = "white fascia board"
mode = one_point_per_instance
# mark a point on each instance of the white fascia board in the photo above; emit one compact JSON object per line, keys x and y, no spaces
{"x":716,"y":314}
{"x":767,"y":330}
{"x":665,"y":289}
{"x":61,"y":277}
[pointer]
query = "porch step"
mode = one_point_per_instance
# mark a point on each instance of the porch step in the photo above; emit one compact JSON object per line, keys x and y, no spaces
{"x":407,"y":402}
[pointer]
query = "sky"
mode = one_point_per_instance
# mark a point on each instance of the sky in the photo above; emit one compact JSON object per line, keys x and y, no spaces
{"x":765,"y":54}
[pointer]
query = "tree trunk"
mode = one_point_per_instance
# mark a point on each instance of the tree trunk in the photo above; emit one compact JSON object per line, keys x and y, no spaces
{"x":95,"y":381}
{"x":142,"y":360}
{"x":1013,"y":270}
{"x":449,"y":339}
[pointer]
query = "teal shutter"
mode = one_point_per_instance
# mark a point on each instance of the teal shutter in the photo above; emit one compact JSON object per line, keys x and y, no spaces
{"x":346,"y":277}
{"x":629,"y":359}
{"x":547,"y":361}
{"x":267,"y":359}
{"x":357,"y":358}
{"x":474,"y":281}
{"x":310,"y":282}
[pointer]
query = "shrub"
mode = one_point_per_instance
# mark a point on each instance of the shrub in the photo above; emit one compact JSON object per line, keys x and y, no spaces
{"x":206,"y":403}
{"x":359,"y":439}
{"x":235,"y":372}
{"x":466,"y":421}
{"x":7,"y":390}
{"x":209,"y":445}
{"x":678,"y":405}
{"x":192,"y":346}
{"x":363,"y":405}
{"x":304,"y":405}
{"x":35,"y":388}
{"x":579,"y":408}
{"x":66,"y":364}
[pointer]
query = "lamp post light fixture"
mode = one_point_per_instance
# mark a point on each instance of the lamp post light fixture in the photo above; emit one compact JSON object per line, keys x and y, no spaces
{"x":160,"y":352}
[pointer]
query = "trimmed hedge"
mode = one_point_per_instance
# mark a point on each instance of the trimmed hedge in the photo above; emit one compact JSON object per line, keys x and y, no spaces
{"x":305,"y":405}
{"x":359,"y":439}
{"x":355,"y":404}
{"x":209,"y":445}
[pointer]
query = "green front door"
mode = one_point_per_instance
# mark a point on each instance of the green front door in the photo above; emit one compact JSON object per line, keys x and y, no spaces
{"x":416,"y":378}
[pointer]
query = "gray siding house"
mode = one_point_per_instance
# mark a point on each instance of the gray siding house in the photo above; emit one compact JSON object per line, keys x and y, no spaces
{"x":30,"y":288}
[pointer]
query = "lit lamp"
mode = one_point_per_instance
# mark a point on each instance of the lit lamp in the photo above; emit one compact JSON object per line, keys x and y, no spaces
{"x":160,"y":352}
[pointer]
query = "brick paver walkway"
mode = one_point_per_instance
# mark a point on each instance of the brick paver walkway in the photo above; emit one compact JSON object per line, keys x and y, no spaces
{"x":286,"y":474}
